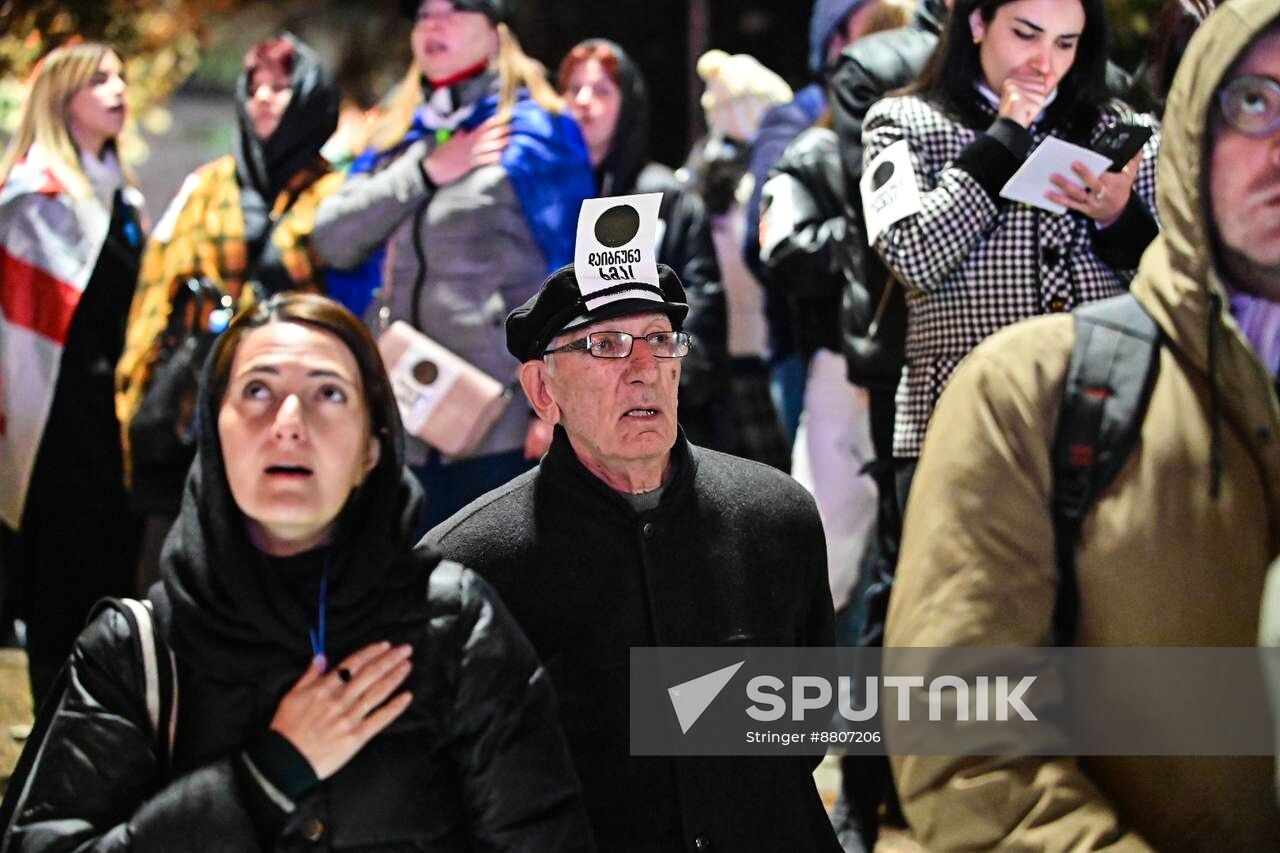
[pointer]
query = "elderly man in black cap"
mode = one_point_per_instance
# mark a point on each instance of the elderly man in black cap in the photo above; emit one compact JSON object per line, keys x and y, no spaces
{"x":627,"y":535}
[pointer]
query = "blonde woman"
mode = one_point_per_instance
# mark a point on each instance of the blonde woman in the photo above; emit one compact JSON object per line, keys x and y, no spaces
{"x":466,"y":200}
{"x":70,"y":241}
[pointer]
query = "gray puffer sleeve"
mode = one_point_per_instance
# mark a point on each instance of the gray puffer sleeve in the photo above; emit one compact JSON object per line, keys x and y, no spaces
{"x":364,"y":211}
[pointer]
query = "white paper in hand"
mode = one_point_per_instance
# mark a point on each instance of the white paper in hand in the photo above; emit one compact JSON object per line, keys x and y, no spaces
{"x":1053,"y":156}
{"x":616,"y":244}
{"x":889,"y":189}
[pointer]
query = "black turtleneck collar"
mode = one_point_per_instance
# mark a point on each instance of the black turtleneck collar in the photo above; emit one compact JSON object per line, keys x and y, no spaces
{"x":562,"y":464}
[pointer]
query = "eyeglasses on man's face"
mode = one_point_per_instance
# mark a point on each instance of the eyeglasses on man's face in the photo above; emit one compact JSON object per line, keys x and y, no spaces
{"x":1251,"y":104}
{"x":619,"y":344}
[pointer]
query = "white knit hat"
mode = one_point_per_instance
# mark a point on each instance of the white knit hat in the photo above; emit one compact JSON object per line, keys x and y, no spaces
{"x":739,"y":91}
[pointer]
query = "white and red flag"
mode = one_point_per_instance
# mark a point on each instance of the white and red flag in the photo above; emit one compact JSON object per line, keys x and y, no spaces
{"x":49,"y":243}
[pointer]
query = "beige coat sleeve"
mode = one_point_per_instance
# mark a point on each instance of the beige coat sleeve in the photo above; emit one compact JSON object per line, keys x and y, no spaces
{"x":977,"y":568}
{"x":1269,"y":635}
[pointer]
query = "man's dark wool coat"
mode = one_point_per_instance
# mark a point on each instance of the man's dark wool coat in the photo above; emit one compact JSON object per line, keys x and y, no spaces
{"x":732,"y":555}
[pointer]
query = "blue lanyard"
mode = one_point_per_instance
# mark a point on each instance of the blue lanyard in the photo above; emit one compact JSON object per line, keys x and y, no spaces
{"x":317,"y":634}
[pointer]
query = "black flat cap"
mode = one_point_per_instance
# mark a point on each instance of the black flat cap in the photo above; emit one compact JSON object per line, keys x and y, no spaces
{"x":559,"y":307}
{"x":498,"y":11}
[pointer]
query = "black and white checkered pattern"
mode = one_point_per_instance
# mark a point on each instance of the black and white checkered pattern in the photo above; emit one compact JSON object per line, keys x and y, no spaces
{"x":973,"y":265}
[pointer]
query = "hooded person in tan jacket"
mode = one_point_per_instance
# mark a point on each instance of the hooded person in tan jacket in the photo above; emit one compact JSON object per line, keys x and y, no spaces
{"x":1174,"y":552}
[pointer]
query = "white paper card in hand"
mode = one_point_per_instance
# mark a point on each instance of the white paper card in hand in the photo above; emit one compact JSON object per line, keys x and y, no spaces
{"x":616,"y":244}
{"x":889,"y":189}
{"x":1053,"y":156}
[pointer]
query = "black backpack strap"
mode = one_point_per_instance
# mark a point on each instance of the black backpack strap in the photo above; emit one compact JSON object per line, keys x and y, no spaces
{"x":1113,"y":368}
{"x":160,"y":685}
{"x":159,"y":674}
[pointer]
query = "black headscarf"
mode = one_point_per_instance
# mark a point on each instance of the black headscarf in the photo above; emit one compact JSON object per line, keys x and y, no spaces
{"x":629,"y":149}
{"x":236,"y":614}
{"x":307,"y":123}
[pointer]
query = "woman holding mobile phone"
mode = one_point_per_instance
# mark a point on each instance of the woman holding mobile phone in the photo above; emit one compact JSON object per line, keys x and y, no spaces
{"x":1006,"y":75}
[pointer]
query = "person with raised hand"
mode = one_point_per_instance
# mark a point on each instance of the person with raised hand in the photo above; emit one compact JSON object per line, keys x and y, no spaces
{"x":1172,"y":549}
{"x":1006,"y":75}
{"x":464,"y":200}
{"x":243,"y":224}
{"x":334,"y":684}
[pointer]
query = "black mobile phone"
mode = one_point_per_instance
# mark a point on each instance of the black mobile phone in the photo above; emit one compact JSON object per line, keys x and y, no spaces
{"x":1120,"y":142}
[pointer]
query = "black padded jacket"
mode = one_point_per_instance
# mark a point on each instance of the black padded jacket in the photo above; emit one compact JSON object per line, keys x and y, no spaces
{"x":476,"y":763}
{"x":812,"y":262}
{"x":872,"y":322}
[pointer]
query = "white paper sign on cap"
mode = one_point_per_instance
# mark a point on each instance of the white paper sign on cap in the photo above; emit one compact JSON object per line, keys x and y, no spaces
{"x":617,"y":244}
{"x":889,"y":189}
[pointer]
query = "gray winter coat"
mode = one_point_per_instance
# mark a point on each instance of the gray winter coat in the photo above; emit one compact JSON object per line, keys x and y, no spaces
{"x":479,"y":261}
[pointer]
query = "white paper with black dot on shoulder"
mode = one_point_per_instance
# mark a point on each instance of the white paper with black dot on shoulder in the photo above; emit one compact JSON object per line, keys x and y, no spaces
{"x":889,"y":189}
{"x":617,"y":245}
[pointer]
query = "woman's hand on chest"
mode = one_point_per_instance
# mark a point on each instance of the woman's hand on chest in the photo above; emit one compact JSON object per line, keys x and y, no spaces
{"x":466,"y":150}
{"x":329,"y":717}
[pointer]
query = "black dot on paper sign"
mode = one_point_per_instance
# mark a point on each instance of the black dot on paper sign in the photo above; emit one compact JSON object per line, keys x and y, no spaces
{"x":617,"y":226}
{"x":425,"y":372}
{"x":881,"y":175}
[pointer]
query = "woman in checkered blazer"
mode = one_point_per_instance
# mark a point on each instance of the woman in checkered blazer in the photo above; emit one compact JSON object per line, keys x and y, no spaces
{"x":1007,"y":74}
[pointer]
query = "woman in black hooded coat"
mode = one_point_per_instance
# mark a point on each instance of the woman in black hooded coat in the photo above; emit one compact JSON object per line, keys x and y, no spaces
{"x":294,"y":549}
{"x":243,"y":223}
{"x":606,"y":94}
